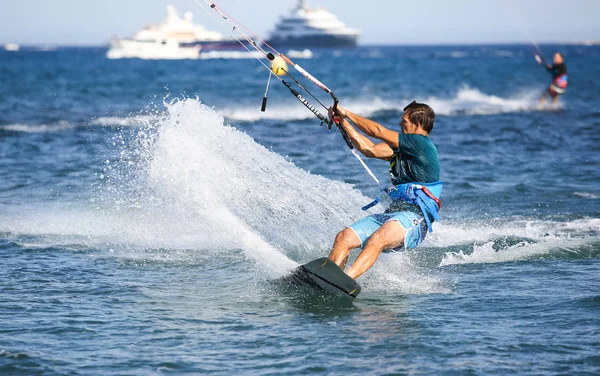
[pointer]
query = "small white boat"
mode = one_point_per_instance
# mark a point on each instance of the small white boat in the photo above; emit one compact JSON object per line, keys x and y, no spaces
{"x":12,"y":47}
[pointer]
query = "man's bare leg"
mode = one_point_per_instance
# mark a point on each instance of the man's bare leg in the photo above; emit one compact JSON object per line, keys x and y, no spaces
{"x":390,"y":235}
{"x":345,"y":241}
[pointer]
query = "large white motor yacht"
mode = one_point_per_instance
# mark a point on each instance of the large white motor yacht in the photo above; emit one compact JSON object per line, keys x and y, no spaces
{"x":312,"y":27}
{"x":174,"y":38}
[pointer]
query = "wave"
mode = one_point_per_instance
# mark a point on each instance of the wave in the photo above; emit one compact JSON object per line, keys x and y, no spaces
{"x":300,"y":54}
{"x":294,"y":54}
{"x":296,"y":111}
{"x":124,"y":121}
{"x":38,"y":128}
{"x":487,"y":252}
{"x":230,"y":55}
{"x":467,"y":101}
{"x":588,"y":195}
{"x":64,"y":125}
{"x":456,"y":243}
{"x":458,"y":54}
{"x":517,"y":240}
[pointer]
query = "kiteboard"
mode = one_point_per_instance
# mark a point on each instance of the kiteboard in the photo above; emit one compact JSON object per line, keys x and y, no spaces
{"x":323,"y":275}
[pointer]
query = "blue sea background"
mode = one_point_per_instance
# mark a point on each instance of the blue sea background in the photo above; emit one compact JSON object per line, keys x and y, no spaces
{"x":146,"y":205}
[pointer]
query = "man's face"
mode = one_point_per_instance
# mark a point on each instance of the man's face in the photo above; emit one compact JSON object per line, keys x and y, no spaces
{"x":406,"y":125}
{"x":557,"y":59}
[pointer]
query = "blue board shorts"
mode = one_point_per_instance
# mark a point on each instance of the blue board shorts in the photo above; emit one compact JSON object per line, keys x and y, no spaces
{"x":413,"y":223}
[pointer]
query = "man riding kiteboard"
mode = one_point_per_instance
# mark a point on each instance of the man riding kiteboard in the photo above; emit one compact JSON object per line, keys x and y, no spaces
{"x":559,"y":78}
{"x":414,"y":169}
{"x":415,"y":173}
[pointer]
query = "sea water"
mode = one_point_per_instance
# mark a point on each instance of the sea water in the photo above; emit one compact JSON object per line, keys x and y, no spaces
{"x":146,"y":205}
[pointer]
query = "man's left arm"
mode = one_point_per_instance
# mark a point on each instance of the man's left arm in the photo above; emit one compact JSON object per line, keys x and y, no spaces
{"x":363,"y":144}
{"x":370,"y":127}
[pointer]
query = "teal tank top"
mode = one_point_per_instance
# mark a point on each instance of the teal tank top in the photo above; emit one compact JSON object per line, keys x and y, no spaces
{"x":415,"y":161}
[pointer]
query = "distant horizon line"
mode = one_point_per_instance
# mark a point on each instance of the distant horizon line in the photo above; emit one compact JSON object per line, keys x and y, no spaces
{"x":494,"y":43}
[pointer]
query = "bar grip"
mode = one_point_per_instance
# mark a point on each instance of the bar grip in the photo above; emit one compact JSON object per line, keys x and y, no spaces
{"x":263,"y":107}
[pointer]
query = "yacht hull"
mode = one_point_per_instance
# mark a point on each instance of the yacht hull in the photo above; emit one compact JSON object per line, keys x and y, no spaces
{"x":315,"y":41}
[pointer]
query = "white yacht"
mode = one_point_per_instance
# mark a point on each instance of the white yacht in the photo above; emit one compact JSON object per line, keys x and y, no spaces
{"x":174,"y":38}
{"x":312,"y":27}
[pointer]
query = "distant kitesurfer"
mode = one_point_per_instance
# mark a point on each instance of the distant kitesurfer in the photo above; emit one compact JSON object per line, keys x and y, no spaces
{"x":415,"y":173}
{"x":559,"y":78}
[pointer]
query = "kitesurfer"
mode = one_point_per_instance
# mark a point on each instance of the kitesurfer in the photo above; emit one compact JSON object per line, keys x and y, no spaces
{"x":415,"y":172}
{"x":559,"y":78}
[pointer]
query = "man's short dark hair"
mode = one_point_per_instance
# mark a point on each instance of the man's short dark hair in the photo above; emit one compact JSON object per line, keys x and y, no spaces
{"x":420,"y":113}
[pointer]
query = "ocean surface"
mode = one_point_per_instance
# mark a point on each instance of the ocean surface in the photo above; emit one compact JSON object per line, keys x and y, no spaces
{"x":146,"y":206}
